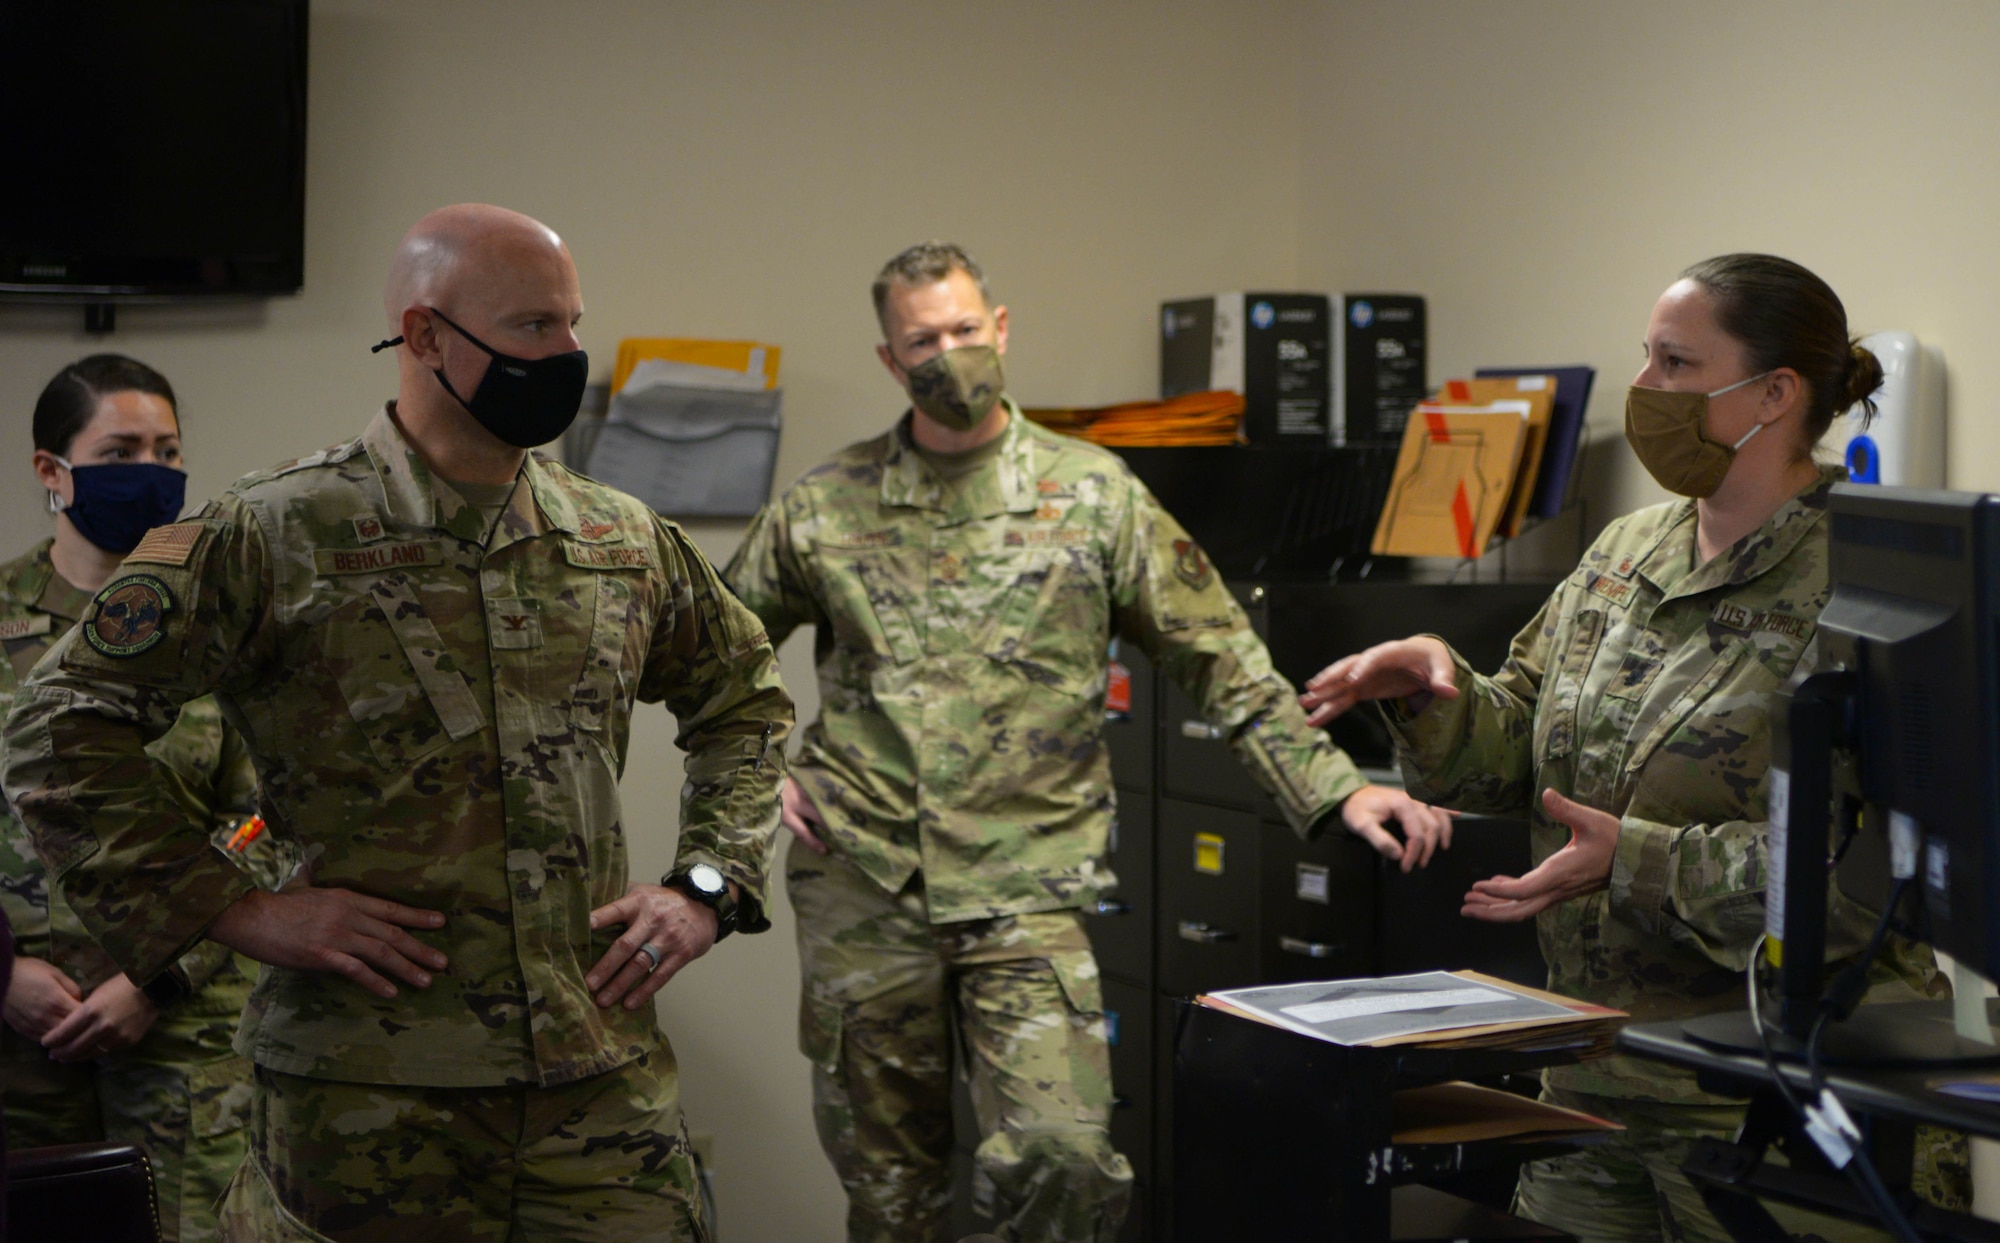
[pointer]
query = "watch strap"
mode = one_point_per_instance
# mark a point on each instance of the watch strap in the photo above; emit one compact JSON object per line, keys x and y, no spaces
{"x":721,"y":903}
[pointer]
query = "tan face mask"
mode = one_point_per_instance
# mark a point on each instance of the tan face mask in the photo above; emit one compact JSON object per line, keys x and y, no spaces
{"x":959,"y":387}
{"x":1667,"y":430}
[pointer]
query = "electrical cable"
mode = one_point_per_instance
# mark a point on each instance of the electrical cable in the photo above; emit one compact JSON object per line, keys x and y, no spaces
{"x":1853,"y":979}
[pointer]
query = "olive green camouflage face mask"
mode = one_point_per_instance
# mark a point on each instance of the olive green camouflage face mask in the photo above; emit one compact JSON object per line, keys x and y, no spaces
{"x":959,"y":387}
{"x":1668,"y":431}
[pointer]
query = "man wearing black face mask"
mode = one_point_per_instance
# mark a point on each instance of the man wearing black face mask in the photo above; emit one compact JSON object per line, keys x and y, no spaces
{"x":953,"y":802}
{"x":434,"y":640}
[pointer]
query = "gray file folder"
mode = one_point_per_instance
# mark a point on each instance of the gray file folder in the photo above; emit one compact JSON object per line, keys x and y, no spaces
{"x":690,"y":452}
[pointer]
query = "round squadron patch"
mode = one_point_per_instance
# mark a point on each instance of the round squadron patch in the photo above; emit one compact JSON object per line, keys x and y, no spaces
{"x":1190,"y":566}
{"x":130,"y":617}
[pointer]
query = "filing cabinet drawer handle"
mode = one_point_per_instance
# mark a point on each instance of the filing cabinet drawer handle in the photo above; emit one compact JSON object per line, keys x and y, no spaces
{"x":1304,"y":948}
{"x":1204,"y":934}
{"x":1202,"y":730}
{"x":1112,"y":906}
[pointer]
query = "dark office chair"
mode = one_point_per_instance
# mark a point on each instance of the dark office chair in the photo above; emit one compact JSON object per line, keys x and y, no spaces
{"x":93,"y":1193}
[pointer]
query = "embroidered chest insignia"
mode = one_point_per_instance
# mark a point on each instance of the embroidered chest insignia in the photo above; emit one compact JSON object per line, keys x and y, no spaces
{"x":1048,"y":513}
{"x":130,"y":617}
{"x":367,"y":529}
{"x":593,"y":530}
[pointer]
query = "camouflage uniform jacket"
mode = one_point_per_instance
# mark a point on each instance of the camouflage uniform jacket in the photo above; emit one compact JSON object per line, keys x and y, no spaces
{"x":1644,"y":688}
{"x":962,"y":635}
{"x":438,"y":715}
{"x":202,"y":760}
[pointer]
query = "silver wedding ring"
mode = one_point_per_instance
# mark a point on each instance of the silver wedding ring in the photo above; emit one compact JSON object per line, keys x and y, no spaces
{"x":652,"y":958}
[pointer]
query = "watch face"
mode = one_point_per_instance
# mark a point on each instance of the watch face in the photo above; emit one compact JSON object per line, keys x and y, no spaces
{"x":705,"y":878}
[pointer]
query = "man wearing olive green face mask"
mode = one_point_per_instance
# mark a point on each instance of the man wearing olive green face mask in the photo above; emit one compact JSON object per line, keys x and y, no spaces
{"x":952,"y":806}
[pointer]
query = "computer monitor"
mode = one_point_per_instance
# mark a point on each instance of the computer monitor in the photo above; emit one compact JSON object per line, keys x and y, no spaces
{"x":1887,"y":756}
{"x":1915,"y":619}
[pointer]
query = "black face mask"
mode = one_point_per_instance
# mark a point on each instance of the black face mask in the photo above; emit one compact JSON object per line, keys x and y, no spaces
{"x":524,"y":401}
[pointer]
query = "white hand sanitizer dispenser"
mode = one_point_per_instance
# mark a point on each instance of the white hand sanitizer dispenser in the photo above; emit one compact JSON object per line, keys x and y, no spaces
{"x":1904,"y":445}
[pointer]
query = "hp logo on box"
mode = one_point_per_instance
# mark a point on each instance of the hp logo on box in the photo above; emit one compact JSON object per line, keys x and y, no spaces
{"x":1362,"y":313}
{"x":1262,"y":316}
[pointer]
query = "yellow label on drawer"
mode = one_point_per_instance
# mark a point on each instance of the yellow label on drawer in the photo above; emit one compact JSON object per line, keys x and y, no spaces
{"x":1208,"y":853}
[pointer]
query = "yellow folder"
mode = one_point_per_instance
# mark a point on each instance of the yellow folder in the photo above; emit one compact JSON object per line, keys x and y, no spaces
{"x":745,"y":356}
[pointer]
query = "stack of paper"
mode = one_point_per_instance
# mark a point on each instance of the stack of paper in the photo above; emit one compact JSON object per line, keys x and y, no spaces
{"x":1210,"y":418}
{"x":1432,"y":1009}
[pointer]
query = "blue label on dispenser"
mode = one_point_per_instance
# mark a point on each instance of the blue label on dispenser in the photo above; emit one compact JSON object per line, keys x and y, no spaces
{"x":1864,"y":460}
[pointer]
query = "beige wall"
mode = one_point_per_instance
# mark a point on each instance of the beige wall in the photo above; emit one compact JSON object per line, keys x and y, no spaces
{"x":742,"y":170}
{"x":1539,"y":169}
{"x":1542,"y":169}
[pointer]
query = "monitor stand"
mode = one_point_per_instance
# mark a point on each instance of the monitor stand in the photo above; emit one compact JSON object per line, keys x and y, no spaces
{"x":1906,"y":1034}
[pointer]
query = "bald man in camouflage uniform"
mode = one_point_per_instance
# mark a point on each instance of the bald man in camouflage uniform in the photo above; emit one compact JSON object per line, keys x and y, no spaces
{"x":965,"y":573}
{"x":434,"y":641}
{"x":1640,"y":698}
{"x":180,"y":1093}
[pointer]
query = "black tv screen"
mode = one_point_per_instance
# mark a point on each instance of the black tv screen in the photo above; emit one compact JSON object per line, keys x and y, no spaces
{"x":152,"y":148}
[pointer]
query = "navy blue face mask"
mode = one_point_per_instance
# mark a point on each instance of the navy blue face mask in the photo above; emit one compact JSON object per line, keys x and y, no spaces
{"x":524,"y":401}
{"x":116,"y":503}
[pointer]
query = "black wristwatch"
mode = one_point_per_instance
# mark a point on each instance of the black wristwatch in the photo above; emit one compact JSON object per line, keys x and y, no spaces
{"x":706,"y":885}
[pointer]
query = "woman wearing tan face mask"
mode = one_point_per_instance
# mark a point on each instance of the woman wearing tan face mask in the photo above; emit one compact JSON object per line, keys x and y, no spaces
{"x":1631,"y":723}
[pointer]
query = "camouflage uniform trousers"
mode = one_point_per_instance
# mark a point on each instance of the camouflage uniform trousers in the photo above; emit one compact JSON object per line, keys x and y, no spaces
{"x":181,"y":1097}
{"x":1631,"y":1188}
{"x":601,"y":1159}
{"x":883,"y":988}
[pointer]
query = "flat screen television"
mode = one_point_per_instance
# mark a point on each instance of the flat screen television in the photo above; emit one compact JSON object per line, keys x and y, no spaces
{"x":153,"y":149}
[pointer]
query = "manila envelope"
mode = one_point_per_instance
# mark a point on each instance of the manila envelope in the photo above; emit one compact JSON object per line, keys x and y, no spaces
{"x":1454,"y":476}
{"x":1539,"y":391}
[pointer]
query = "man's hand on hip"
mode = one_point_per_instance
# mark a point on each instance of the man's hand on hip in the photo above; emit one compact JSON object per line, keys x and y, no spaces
{"x":665,"y":930}
{"x":336,"y":930}
{"x":797,"y":813}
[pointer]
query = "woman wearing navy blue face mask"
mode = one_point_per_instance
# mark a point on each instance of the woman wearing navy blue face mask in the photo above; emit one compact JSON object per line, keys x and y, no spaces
{"x":85,"y":1053}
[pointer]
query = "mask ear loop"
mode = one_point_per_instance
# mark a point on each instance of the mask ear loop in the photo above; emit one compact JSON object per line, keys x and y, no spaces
{"x":56,"y":503}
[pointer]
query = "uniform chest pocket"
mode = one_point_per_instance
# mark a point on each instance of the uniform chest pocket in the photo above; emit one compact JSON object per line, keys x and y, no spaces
{"x":603,"y":685}
{"x":1562,"y":689}
{"x":869,"y":595}
{"x":400,"y":683}
{"x":1053,"y":622}
{"x":1704,"y":684}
